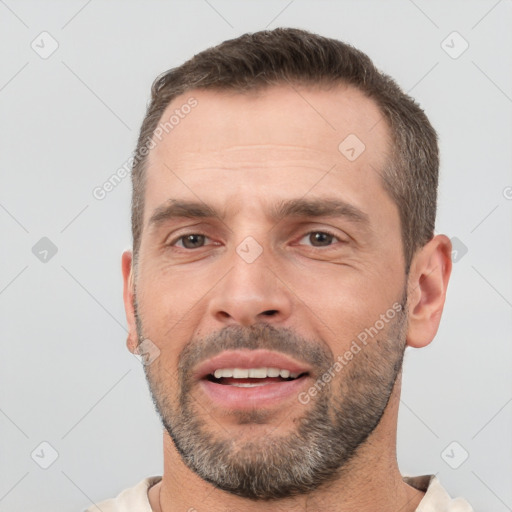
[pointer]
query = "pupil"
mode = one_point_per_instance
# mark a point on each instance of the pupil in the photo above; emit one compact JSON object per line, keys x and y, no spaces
{"x":320,"y":238}
{"x":193,"y":241}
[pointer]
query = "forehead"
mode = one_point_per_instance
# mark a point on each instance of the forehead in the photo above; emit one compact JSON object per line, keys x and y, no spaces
{"x":317,"y":118}
{"x":280,"y":140}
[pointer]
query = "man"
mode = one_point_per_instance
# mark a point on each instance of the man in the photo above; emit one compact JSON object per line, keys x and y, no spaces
{"x":284,"y":199}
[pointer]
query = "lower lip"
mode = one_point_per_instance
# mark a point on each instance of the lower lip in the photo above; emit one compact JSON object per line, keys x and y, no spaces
{"x":266,"y":395}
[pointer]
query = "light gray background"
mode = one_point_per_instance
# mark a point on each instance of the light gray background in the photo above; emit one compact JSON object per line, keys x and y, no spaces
{"x":70,"y":121}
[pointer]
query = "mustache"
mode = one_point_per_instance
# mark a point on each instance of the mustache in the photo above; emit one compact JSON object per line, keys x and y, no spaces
{"x":258,"y":336}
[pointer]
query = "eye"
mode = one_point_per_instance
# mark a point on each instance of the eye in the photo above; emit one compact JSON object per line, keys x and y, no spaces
{"x":192,"y":241}
{"x":319,"y":239}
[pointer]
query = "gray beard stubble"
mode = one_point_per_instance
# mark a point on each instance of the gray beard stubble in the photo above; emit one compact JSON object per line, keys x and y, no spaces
{"x":327,"y":436}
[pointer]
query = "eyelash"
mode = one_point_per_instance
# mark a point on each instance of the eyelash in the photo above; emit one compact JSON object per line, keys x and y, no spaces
{"x":323,"y":231}
{"x":180,"y":238}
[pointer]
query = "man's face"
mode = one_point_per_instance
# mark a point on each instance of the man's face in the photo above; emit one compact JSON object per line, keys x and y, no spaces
{"x":266,"y":251}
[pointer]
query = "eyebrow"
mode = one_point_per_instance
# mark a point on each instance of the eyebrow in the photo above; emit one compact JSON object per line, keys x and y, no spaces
{"x":319,"y":208}
{"x":175,"y":208}
{"x":311,"y":208}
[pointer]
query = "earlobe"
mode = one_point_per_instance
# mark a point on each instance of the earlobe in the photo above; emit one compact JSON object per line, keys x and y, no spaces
{"x":128,"y":296}
{"x":428,"y":281}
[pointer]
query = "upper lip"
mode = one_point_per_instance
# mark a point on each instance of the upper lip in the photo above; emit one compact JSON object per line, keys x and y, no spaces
{"x":250,"y":359}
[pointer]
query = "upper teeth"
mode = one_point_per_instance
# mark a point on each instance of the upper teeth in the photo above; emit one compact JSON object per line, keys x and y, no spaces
{"x":256,"y":373}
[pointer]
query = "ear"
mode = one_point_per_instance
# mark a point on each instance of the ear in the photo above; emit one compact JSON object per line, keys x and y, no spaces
{"x":428,"y":280}
{"x":128,"y":296}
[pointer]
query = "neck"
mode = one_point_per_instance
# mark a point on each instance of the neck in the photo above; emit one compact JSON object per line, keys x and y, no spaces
{"x":370,"y":480}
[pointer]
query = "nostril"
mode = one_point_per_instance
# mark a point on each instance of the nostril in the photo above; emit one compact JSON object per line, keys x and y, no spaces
{"x":270,"y":312}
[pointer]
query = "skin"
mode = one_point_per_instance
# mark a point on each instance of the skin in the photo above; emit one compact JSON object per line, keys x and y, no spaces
{"x":241,"y":155}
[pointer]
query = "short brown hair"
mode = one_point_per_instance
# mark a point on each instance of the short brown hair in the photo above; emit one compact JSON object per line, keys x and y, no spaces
{"x":287,"y":55}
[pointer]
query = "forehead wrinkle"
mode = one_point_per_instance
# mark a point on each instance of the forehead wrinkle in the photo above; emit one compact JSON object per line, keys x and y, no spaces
{"x":248,"y":157}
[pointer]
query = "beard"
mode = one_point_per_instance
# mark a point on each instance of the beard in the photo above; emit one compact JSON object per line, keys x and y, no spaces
{"x":336,"y":422}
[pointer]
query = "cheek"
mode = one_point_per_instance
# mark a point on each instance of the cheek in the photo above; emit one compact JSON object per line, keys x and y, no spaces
{"x":169,"y":296}
{"x":170,"y":307}
{"x":340,"y":302}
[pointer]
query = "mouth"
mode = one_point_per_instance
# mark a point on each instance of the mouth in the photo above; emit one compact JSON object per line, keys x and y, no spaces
{"x":251,"y":378}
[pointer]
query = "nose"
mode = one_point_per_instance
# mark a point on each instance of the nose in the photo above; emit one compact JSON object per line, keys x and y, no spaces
{"x":250,"y":292}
